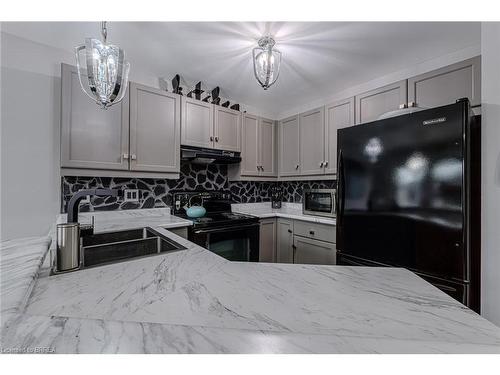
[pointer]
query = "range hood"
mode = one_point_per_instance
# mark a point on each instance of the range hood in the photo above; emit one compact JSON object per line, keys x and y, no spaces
{"x":199,"y":155}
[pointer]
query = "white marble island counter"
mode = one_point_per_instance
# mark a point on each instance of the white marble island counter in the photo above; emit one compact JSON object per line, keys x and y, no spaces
{"x":264,"y":210}
{"x":194,"y":301}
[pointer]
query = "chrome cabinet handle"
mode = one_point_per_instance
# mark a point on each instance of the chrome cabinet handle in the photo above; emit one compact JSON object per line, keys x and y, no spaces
{"x":262,"y":168}
{"x":289,"y":231}
{"x":326,"y":164}
{"x":133,"y":157}
{"x":311,"y":232}
{"x":321,"y":164}
{"x":211,"y":139}
{"x":296,"y":166}
{"x":125,"y":156}
{"x":216,"y":139}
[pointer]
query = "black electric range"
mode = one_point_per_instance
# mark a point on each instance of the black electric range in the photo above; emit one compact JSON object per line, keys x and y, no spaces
{"x":231,"y":235}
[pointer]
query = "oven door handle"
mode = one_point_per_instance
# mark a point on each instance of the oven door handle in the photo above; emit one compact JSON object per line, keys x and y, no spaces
{"x":225,"y":229}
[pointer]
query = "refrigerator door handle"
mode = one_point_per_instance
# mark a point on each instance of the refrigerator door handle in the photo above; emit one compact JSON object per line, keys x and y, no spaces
{"x":340,"y":190}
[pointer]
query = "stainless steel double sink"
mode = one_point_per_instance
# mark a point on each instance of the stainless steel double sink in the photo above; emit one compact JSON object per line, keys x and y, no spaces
{"x":105,"y":248}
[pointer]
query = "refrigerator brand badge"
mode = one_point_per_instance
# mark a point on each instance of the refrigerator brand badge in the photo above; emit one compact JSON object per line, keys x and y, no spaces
{"x":434,"y":121}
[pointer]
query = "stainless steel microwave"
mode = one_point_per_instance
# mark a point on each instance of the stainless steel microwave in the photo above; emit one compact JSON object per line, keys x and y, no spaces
{"x":319,"y":202}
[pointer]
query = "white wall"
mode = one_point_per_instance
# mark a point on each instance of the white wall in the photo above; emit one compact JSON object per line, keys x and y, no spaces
{"x":490,"y":184}
{"x":30,"y":144}
{"x":30,"y":121}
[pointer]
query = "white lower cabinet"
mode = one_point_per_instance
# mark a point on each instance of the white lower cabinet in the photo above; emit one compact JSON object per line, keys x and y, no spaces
{"x":284,"y":243}
{"x":296,"y":241}
{"x":267,"y":241}
{"x":309,"y":251}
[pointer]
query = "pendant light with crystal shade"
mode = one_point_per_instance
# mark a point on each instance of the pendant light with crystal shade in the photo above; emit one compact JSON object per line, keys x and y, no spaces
{"x":266,"y":62}
{"x":102,"y":70}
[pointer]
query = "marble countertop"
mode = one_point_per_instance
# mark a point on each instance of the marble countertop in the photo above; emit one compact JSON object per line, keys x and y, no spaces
{"x":264,"y":210}
{"x":193,"y":301}
{"x":20,"y":261}
{"x":109,"y":221}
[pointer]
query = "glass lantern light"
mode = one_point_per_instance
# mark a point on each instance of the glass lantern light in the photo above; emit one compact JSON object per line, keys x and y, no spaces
{"x":102,"y":70}
{"x":266,"y":62}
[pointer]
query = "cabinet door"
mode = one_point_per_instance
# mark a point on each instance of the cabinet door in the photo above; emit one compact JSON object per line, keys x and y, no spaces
{"x":250,"y":145}
{"x":227,"y":129}
{"x":308,"y":251}
{"x":289,"y":147}
{"x":197,"y":123}
{"x":312,"y":140}
{"x":267,"y":241}
{"x":284,"y":243}
{"x":337,"y":115}
{"x":267,"y":143}
{"x":154,"y":130}
{"x":372,"y":104}
{"x":446,"y":85}
{"x":91,"y":137}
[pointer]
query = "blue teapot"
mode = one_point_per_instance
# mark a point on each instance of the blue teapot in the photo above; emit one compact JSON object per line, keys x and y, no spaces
{"x":196,"y":211}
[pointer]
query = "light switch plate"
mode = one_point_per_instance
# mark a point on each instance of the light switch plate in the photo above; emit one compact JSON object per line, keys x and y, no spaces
{"x":131,"y":195}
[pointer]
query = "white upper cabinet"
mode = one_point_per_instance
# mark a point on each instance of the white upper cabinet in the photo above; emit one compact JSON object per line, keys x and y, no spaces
{"x":91,"y":137}
{"x":210,"y":126}
{"x":267,"y":147}
{"x":258,"y":147}
{"x":197,"y":123}
{"x":338,"y":115}
{"x":289,"y":155}
{"x":154,"y":129}
{"x":227,"y":129}
{"x":370,"y":105}
{"x":139,"y":136}
{"x":250,"y":145}
{"x":446,"y":85}
{"x":312,"y":140}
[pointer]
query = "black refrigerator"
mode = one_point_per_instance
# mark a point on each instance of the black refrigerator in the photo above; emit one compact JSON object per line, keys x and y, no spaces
{"x":408,"y":195}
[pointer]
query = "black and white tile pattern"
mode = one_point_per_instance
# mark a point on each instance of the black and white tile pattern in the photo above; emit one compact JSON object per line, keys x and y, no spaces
{"x":292,"y":190}
{"x":156,"y":192}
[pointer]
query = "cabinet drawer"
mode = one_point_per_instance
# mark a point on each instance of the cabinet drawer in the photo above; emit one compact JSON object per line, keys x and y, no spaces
{"x":316,"y":231}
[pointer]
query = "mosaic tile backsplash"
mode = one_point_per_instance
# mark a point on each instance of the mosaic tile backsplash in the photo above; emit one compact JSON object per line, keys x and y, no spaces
{"x":156,"y":192}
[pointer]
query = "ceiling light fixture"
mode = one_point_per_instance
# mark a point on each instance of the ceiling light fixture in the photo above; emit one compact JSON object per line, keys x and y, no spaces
{"x":266,"y":62}
{"x":102,"y":71}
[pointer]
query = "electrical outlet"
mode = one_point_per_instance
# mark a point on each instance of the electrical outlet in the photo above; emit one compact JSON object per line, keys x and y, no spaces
{"x":131,"y":195}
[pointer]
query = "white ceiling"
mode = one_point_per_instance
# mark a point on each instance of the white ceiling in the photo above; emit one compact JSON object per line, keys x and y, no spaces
{"x":319,"y":58}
